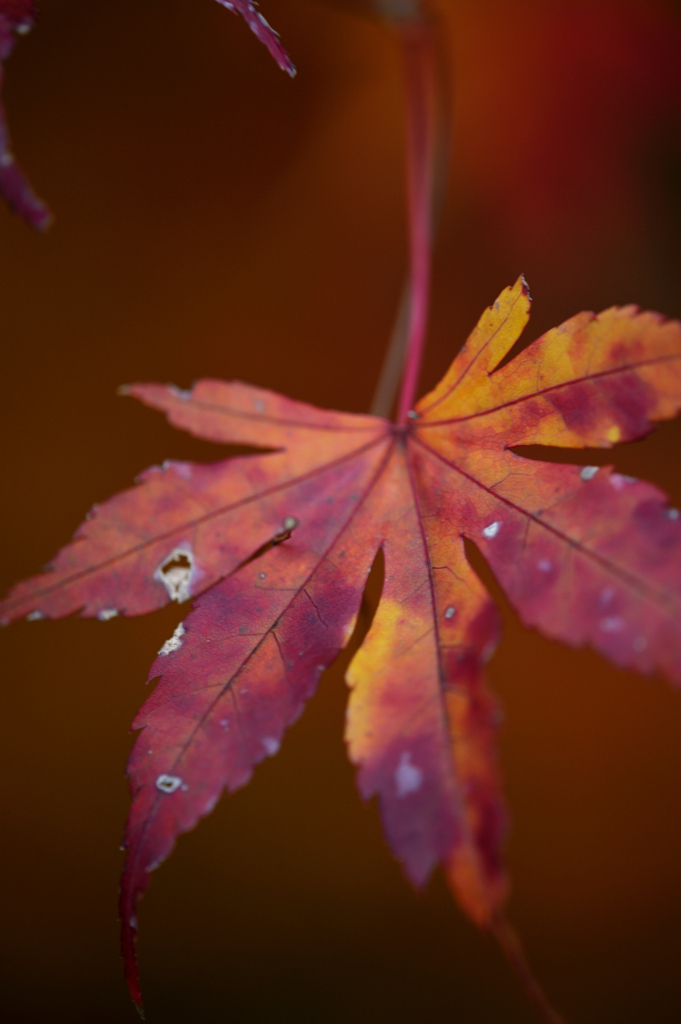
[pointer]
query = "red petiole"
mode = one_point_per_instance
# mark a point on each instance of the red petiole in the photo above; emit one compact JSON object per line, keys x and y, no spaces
{"x":419,"y":55}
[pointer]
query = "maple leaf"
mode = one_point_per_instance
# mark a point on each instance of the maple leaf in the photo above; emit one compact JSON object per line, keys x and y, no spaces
{"x":264,"y":32}
{"x":278,"y":546}
{"x":16,"y":17}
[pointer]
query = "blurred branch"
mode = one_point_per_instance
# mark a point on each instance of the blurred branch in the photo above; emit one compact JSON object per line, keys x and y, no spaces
{"x":399,"y":10}
{"x":393,"y":361}
{"x":402,"y":13}
{"x":392,"y":10}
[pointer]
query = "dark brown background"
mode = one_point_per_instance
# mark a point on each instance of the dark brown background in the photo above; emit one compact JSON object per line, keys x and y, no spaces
{"x":215,"y":218}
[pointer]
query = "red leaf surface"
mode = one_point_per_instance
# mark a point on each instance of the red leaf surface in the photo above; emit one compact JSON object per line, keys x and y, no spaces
{"x":276,"y":547}
{"x":16,"y":18}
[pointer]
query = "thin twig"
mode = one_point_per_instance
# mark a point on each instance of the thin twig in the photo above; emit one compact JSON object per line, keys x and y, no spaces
{"x":406,"y":16}
{"x":393,"y":362}
{"x":418,"y":54}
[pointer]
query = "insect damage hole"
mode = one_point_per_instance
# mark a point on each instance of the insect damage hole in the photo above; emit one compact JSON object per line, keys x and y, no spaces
{"x":168,"y":783}
{"x":176,"y":573}
{"x":175,"y":641}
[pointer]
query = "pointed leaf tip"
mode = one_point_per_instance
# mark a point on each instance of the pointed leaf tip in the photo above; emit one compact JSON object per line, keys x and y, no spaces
{"x":17,"y":18}
{"x":264,"y":32}
{"x":129,"y":954}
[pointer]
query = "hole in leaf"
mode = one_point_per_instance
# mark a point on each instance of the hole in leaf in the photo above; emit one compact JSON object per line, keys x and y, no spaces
{"x":175,"y":573}
{"x":179,"y":562}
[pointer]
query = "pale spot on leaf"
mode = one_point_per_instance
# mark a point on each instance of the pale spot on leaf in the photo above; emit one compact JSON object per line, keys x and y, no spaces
{"x":183,"y":469}
{"x":618,"y":481}
{"x":183,"y":395}
{"x":612,"y":624}
{"x":106,"y":614}
{"x":168,"y":783}
{"x":175,"y":641}
{"x":408,"y":777}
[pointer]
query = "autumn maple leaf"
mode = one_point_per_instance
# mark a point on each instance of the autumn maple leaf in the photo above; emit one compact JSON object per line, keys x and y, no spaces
{"x":278,"y":546}
{"x":16,"y":17}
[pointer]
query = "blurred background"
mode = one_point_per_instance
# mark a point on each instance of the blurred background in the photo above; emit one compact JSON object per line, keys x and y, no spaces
{"x":215,"y":218}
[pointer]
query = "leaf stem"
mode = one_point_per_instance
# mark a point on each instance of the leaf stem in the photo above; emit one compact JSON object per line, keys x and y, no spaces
{"x":419,"y":49}
{"x":393,"y":361}
{"x":399,"y":13}
{"x":513,"y":950}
